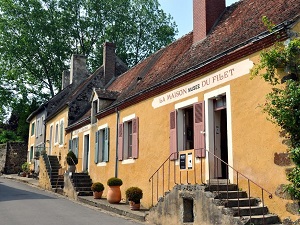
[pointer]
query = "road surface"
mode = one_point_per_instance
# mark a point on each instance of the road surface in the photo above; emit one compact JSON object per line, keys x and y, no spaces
{"x":22,"y":204}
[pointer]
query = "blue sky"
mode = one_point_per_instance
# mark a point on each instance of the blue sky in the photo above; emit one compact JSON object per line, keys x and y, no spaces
{"x":181,"y":11}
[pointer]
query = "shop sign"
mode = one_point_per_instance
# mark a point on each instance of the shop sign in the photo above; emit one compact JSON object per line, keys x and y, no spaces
{"x":227,"y":74}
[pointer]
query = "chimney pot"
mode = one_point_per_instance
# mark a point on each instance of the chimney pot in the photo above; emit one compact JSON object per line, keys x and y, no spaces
{"x":205,"y":15}
{"x":109,"y":61}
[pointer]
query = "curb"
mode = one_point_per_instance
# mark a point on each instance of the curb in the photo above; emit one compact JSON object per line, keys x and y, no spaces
{"x":111,"y":208}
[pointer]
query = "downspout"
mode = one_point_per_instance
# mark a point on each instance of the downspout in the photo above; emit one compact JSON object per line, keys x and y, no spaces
{"x":117,"y":142}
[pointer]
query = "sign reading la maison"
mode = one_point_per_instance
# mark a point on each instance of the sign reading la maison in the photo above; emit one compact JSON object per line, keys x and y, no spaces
{"x":229,"y":73}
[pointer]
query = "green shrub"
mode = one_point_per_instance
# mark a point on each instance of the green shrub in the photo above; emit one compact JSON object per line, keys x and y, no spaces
{"x":294,"y":188}
{"x":25,"y":167}
{"x":71,"y":158}
{"x":97,"y":186}
{"x":134,"y":194}
{"x":114,"y":182}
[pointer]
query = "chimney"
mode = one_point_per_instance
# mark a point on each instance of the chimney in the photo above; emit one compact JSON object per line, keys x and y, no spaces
{"x":109,"y":61}
{"x":78,"y":70}
{"x":205,"y":15}
{"x":65,"y":79}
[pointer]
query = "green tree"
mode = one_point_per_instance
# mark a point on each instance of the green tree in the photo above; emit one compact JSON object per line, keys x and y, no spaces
{"x":279,"y":64}
{"x":37,"y":38}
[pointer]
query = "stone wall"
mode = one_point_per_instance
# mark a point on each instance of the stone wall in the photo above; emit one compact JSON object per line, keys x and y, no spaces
{"x":12,"y":156}
{"x":188,"y":204}
{"x":3,"y":150}
{"x":44,"y":180}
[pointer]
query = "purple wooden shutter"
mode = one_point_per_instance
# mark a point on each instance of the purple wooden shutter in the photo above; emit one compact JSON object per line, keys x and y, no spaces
{"x":173,"y":135}
{"x":135,"y":138}
{"x":120,"y":142}
{"x":199,"y":129}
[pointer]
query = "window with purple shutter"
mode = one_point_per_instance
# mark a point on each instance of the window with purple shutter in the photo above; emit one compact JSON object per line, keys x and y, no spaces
{"x":173,"y":135}
{"x":120,"y":142}
{"x":135,"y":136}
{"x":199,"y":129}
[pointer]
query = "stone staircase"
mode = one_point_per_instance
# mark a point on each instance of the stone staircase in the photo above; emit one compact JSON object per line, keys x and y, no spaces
{"x":236,"y":203}
{"x":210,"y":204}
{"x":82,"y":183}
{"x":53,"y":166}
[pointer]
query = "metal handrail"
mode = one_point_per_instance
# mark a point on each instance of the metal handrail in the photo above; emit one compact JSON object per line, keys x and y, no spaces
{"x":48,"y":161}
{"x":160,"y":175}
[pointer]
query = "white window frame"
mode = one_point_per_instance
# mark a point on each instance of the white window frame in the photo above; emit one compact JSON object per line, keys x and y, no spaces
{"x":51,"y":138}
{"x":102,"y":128}
{"x":32,"y":130}
{"x":180,"y":107}
{"x":61,"y":132}
{"x":125,"y":121}
{"x":56,"y":133}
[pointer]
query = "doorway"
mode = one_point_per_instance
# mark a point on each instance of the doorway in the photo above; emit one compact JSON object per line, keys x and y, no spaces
{"x":86,"y":151}
{"x":220,"y":144}
{"x":218,"y":138}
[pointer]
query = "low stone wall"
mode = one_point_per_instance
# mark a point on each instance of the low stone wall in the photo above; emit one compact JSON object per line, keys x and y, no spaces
{"x":188,"y":204}
{"x":12,"y":156}
{"x":44,"y":180}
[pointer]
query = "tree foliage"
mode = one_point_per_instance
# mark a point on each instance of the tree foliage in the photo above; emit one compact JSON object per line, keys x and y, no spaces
{"x":37,"y":38}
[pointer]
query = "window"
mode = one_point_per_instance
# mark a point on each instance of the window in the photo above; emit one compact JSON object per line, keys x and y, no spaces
{"x":38,"y":128}
{"x":61,"y":132}
{"x":31,"y":154}
{"x":32,"y":128}
{"x":128,"y":139}
{"x":73,"y":146}
{"x":50,"y":139}
{"x":102,"y":145}
{"x":42,"y":125}
{"x":94,"y":111}
{"x":56,"y":133}
{"x":187,"y":130}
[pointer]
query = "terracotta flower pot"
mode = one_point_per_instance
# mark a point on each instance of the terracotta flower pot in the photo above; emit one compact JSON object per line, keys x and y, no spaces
{"x":114,"y":194}
{"x":134,"y":206}
{"x":97,"y":194}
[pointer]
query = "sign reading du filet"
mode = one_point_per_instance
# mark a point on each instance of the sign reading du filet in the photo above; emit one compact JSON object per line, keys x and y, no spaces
{"x":229,"y":73}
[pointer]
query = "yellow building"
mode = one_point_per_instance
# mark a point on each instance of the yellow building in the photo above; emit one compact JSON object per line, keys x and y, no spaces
{"x":195,"y":95}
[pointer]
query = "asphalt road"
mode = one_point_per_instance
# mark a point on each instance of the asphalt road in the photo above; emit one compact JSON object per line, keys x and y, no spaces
{"x":21,"y":204}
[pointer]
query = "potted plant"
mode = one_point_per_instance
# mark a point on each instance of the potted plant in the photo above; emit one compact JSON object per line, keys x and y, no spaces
{"x":134,"y":196}
{"x":25,"y":168}
{"x":114,"y":192}
{"x":71,"y":161}
{"x":97,"y":189}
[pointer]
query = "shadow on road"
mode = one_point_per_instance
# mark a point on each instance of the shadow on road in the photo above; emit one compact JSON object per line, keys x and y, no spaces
{"x":9,"y":193}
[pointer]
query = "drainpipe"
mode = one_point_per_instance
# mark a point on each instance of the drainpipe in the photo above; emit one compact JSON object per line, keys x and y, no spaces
{"x":117,"y":142}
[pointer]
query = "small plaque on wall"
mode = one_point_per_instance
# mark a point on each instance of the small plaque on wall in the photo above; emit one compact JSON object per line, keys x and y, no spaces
{"x":186,"y":160}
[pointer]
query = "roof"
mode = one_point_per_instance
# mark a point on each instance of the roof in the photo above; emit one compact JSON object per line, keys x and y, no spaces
{"x":240,"y":24}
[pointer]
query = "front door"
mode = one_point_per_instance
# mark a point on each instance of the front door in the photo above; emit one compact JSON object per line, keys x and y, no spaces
{"x":86,"y":152}
{"x":220,"y":144}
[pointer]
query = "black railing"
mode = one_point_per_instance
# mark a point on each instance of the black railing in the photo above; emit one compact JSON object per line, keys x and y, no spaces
{"x":169,"y":175}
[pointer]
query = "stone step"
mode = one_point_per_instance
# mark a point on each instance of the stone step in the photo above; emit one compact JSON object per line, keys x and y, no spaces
{"x":85,"y":193}
{"x":83,"y":184}
{"x":230,"y":194}
{"x":240,"y":202}
{"x":215,"y":187}
{"x":260,"y":220}
{"x":78,"y":189}
{"x":218,"y":182}
{"x":245,"y":211}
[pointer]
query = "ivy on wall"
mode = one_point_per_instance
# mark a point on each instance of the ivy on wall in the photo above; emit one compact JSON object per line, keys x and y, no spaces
{"x":280,"y":66}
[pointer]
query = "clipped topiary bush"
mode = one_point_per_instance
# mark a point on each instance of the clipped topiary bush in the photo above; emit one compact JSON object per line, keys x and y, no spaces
{"x":134,"y":194}
{"x":114,"y":181}
{"x":71,"y":158}
{"x":97,"y":186}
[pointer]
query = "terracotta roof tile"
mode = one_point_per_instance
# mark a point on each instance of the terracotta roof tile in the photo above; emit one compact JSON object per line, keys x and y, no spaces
{"x":240,"y":22}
